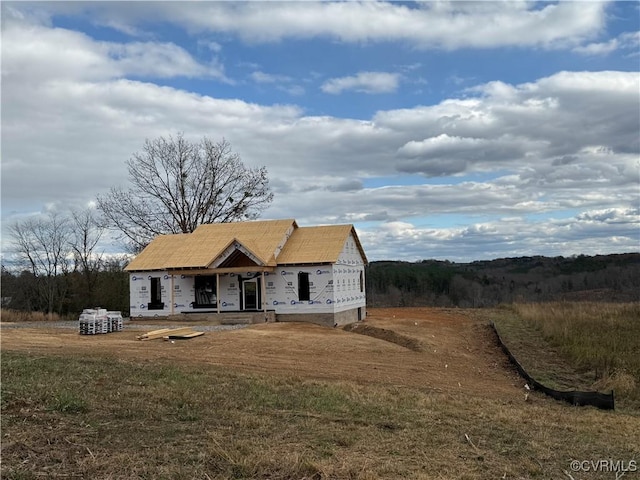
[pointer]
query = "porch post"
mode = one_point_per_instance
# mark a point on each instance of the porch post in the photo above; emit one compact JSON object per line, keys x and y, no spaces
{"x":264,"y":293}
{"x":218,"y":292}
{"x":172,"y":296}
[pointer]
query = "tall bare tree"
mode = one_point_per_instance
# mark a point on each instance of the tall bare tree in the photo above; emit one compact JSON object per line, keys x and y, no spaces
{"x":87,"y":232}
{"x":178,"y":185}
{"x":42,"y":245}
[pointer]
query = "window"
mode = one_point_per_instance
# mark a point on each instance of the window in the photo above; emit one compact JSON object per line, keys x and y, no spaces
{"x":361,"y":281}
{"x":205,"y":292}
{"x":303,"y":286}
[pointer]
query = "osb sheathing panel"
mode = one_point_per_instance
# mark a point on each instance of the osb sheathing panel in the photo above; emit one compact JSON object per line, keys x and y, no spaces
{"x":200,"y":248}
{"x":317,"y":245}
{"x":261,"y":238}
{"x":156,"y":254}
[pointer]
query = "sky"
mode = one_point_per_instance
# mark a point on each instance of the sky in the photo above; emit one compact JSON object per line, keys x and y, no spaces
{"x":442,"y":130}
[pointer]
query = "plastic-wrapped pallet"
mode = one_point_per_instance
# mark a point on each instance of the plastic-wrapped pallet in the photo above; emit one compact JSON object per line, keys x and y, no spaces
{"x":89,"y":323}
{"x":93,"y":321}
{"x":88,"y":314}
{"x":105,"y":324}
{"x":88,"y":327}
{"x":115,"y":321}
{"x":102,"y":315}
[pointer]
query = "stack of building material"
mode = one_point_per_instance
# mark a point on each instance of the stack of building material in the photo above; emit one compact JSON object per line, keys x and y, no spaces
{"x":88,"y":327}
{"x":115,"y":321}
{"x":182,"y":333}
{"x":105,"y":324}
{"x":91,"y":321}
{"x":98,"y":320}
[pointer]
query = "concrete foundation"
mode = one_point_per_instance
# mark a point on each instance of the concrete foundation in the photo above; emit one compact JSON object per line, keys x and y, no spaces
{"x":247,"y":318}
{"x":327,"y":319}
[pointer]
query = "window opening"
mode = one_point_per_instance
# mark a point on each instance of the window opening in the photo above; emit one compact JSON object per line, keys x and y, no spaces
{"x":303,"y":287}
{"x":205,"y":292}
{"x":156,"y":295}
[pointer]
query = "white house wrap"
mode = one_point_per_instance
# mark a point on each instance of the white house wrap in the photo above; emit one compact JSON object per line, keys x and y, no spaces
{"x":299,"y":273}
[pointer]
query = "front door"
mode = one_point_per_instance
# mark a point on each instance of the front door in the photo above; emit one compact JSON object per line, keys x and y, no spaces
{"x":250,"y":292}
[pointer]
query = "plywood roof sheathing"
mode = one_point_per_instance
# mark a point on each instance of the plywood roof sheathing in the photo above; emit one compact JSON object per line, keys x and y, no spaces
{"x":155,"y":334}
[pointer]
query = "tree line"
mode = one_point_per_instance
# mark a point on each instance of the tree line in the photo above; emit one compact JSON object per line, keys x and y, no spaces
{"x":57,"y":267}
{"x":613,"y":277}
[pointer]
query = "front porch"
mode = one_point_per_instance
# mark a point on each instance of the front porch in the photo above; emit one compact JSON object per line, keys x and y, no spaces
{"x":234,"y":283}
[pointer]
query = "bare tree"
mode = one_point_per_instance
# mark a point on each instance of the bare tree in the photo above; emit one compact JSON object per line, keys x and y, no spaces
{"x":178,"y":185}
{"x":86,"y":234}
{"x":42,"y":245}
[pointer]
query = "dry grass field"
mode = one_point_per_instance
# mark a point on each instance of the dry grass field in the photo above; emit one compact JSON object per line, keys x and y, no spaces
{"x":431,"y":397}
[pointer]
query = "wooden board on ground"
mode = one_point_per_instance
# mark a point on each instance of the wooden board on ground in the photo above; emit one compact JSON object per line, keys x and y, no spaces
{"x":183,"y":336}
{"x":164,"y":332}
{"x":153,"y":333}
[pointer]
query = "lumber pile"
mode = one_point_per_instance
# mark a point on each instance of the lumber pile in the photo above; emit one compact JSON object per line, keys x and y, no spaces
{"x":183,"y":333}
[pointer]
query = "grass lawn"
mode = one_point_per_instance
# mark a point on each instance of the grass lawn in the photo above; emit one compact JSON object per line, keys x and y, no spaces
{"x":100,"y":417}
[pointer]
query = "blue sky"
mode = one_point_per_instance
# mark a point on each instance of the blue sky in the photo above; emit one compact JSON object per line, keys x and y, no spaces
{"x":449,"y":130}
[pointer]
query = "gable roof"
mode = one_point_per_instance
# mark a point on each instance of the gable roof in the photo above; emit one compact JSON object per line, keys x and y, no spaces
{"x":272,"y":242}
{"x":207,"y":242}
{"x":318,"y":245}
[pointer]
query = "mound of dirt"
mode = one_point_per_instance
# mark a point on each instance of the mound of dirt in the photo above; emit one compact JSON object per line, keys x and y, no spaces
{"x":386,"y":335}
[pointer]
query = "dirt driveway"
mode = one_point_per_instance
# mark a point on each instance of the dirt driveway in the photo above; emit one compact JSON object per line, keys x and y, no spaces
{"x":458,"y":356}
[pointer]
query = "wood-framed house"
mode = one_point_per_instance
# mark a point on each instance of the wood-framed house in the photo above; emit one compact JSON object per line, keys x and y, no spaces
{"x":269,"y":270}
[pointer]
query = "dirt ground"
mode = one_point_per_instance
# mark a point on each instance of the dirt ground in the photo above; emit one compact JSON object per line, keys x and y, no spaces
{"x":458,"y":354}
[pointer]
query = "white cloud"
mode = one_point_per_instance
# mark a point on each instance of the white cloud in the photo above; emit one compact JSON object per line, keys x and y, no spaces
{"x":157,"y":60}
{"x":449,"y":155}
{"x":443,"y":24}
{"x":210,"y":45}
{"x":262,"y":77}
{"x":364,"y":82}
{"x":293,"y":90}
{"x":591,"y":233}
{"x":625,"y":41}
{"x":602,"y":48}
{"x":566,"y":142}
{"x":284,"y":83}
{"x":510,"y":125}
{"x":547,"y":165}
{"x":448,"y":25}
{"x":31,"y":50}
